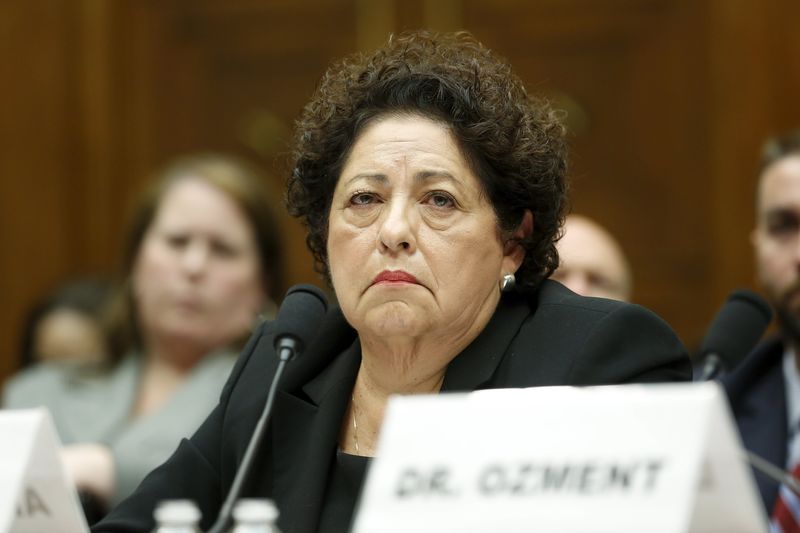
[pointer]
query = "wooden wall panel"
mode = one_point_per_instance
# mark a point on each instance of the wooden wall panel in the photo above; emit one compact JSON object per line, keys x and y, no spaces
{"x":38,"y":200}
{"x":227,"y":76}
{"x":634,"y":89}
{"x":754,"y":82}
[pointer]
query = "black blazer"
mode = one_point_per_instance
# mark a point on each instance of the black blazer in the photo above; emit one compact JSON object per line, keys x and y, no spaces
{"x":757,"y":394}
{"x":554,"y":337}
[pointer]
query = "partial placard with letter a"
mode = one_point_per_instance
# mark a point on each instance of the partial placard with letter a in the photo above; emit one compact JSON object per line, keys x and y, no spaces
{"x":613,"y":459}
{"x":35,"y":492}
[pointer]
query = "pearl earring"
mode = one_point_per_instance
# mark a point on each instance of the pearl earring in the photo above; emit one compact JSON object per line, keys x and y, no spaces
{"x":507,"y":283}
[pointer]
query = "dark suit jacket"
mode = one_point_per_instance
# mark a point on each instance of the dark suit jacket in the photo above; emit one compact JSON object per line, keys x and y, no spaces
{"x":551,"y":338}
{"x":757,"y":395}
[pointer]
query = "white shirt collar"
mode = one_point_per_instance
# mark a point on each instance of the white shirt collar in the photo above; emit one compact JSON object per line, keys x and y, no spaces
{"x":791,"y":378}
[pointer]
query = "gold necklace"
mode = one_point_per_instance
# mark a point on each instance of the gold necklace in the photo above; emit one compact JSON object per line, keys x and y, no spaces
{"x":355,"y":423}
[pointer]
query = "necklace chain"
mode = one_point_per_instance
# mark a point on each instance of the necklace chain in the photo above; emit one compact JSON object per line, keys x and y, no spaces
{"x":355,"y":423}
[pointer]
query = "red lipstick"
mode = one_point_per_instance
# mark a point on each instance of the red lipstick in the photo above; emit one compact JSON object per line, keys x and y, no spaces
{"x":394,"y":276}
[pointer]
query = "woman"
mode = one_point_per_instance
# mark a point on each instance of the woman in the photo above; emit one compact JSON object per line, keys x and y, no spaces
{"x":200,"y":263}
{"x":433,"y":190}
{"x":67,"y":326}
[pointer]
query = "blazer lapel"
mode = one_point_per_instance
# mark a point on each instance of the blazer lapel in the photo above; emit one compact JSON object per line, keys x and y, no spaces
{"x":758,"y":397}
{"x":474,"y":367}
{"x":305,"y":434}
{"x":762,"y":423}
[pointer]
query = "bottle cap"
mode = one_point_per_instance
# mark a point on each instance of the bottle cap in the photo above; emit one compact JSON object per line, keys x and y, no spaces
{"x":255,"y":510}
{"x":177,"y":512}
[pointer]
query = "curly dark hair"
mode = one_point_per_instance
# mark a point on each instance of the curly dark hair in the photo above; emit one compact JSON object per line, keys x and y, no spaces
{"x":514,"y":142}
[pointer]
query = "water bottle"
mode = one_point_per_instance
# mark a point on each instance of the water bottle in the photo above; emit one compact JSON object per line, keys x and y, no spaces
{"x":177,"y":516}
{"x":251,"y":515}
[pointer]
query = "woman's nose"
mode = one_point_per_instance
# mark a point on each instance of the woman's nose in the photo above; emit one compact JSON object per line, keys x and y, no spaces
{"x":397,"y":228}
{"x":195,"y":258}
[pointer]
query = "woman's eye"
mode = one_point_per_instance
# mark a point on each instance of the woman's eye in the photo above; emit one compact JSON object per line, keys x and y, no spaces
{"x":177,"y":240}
{"x":441,"y":200}
{"x":223,"y":249}
{"x":362,"y":198}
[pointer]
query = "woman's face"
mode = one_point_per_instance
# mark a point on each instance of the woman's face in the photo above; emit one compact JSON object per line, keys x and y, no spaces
{"x":196,"y":278}
{"x":413,"y":245}
{"x":65,"y":334}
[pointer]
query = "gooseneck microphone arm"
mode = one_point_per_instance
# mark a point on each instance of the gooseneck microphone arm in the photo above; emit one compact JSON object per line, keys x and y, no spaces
{"x":713,"y":367}
{"x":298,"y":318}
{"x":771,"y":471}
{"x":226,"y":510}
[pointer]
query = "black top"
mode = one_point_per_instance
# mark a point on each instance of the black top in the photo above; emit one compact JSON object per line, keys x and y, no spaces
{"x":552,"y":337}
{"x":344,"y":487}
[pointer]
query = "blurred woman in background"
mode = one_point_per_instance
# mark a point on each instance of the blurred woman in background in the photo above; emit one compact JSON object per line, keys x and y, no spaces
{"x":201,"y":265}
{"x":67,"y":325}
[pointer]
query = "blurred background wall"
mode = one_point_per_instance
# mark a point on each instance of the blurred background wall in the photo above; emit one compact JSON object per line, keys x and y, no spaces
{"x":667,"y":102}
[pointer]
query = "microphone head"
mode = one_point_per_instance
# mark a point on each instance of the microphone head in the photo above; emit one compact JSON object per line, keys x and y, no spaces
{"x":737,"y":327}
{"x":300,"y":315}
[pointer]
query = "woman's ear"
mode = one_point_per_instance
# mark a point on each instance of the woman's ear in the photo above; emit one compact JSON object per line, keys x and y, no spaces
{"x":514,"y":252}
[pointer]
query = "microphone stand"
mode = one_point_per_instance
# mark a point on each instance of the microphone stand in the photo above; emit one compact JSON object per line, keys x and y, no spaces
{"x":713,"y":366}
{"x":224,"y":517}
{"x":772,"y":471}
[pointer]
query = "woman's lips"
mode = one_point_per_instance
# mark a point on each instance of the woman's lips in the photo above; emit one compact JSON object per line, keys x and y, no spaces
{"x":394,"y":276}
{"x":189,"y":304}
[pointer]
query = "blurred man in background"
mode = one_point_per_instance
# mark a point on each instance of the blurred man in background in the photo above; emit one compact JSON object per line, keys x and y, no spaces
{"x":765,"y":389}
{"x":592,"y":262}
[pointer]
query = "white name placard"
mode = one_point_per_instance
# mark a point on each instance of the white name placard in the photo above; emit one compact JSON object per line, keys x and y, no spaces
{"x":615,"y":459}
{"x":35,"y":492}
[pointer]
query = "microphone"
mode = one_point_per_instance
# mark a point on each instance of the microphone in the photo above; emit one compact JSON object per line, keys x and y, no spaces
{"x":298,"y":320}
{"x":735,"y":330}
{"x":302,"y":311}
